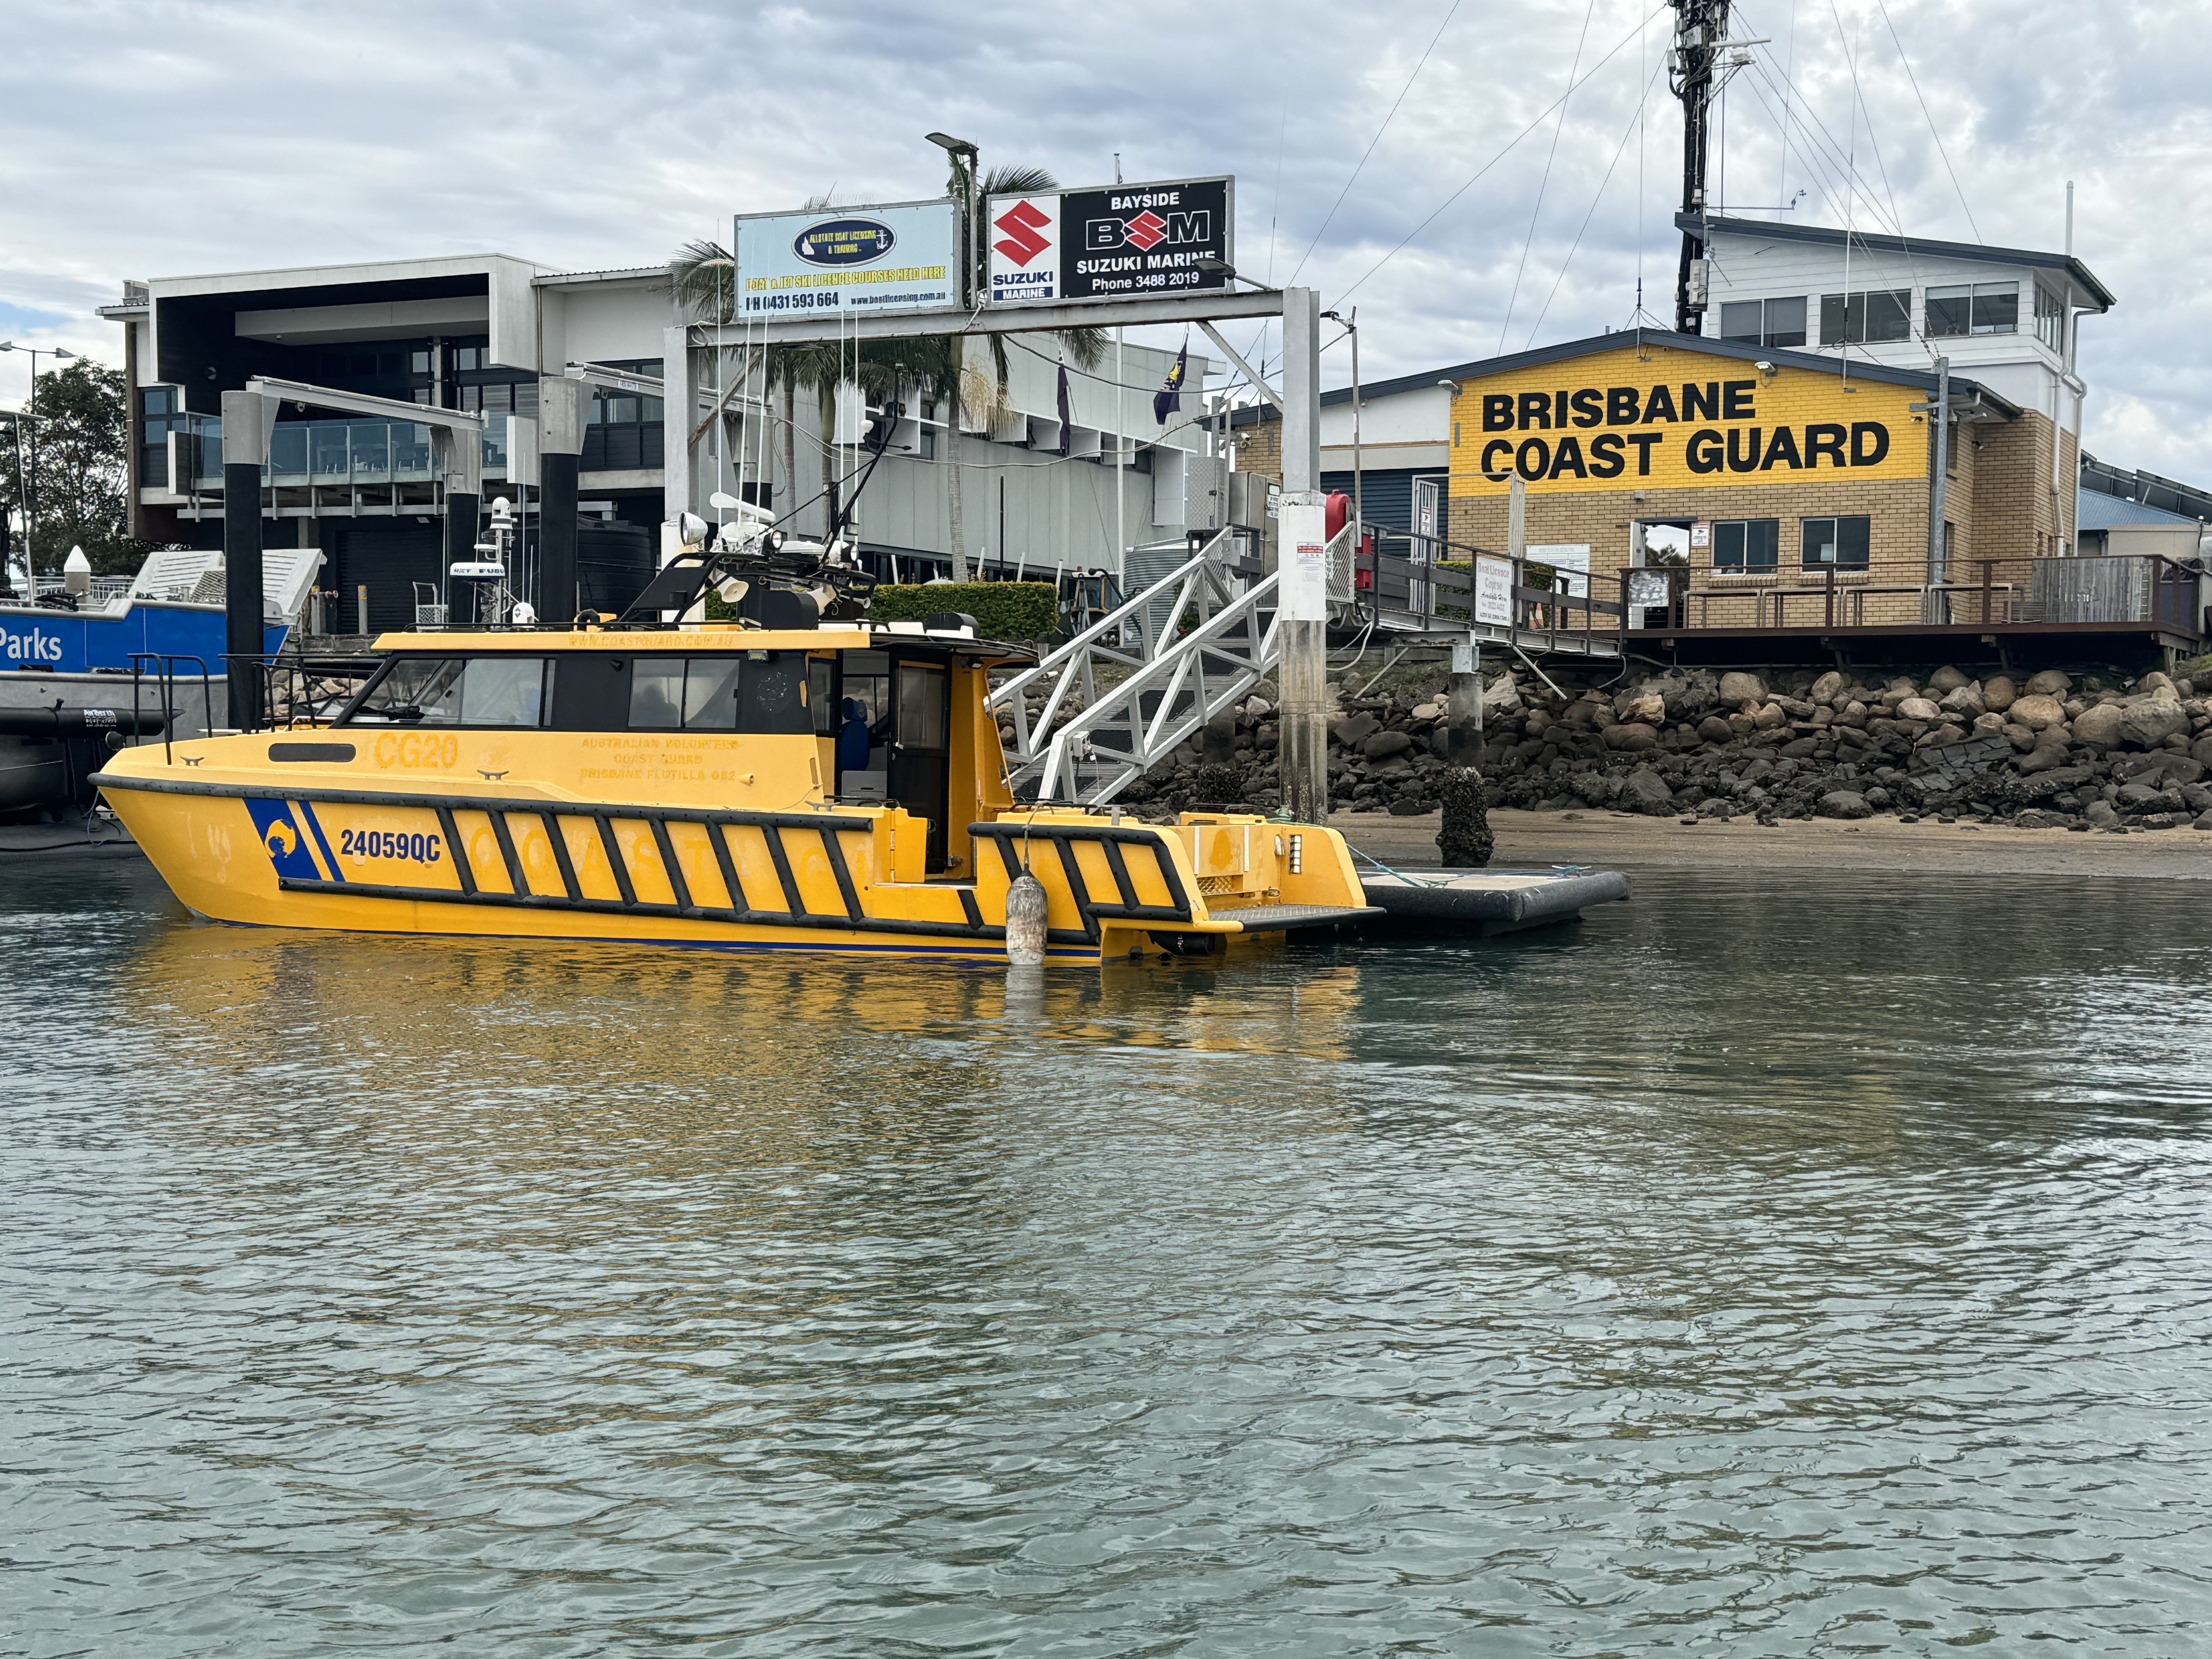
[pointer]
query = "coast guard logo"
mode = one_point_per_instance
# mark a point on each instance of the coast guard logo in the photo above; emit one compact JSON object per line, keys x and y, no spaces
{"x":280,"y":839}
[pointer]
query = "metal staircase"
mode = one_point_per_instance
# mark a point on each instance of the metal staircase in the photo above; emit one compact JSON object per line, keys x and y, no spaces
{"x":1145,"y":686}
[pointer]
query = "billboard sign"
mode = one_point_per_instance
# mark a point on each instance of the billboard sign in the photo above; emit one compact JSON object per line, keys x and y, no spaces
{"x":1116,"y":242}
{"x":900,"y":257}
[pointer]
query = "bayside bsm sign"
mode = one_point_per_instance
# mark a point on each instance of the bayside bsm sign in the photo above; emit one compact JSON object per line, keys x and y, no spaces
{"x":1114,"y":242}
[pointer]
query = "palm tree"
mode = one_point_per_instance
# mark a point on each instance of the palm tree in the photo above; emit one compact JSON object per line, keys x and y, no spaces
{"x":965,"y":381}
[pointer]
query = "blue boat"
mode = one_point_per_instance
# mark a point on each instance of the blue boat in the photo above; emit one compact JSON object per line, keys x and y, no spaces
{"x":66,"y":674}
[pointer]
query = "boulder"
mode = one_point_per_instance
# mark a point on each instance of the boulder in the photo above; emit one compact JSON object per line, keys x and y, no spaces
{"x":1945,"y":680}
{"x":2155,"y":681}
{"x":2099,"y":724}
{"x":2101,"y":815}
{"x":1504,"y":697}
{"x":2202,"y":749}
{"x":1825,"y":687}
{"x":1651,"y":709}
{"x":1645,"y":791}
{"x":1632,"y":736}
{"x":1962,"y":700}
{"x":2042,"y":759}
{"x":1352,"y":729}
{"x":1770,"y":716}
{"x":1989,"y":726}
{"x":2051,"y":683}
{"x":1918,"y":708}
{"x":1714,"y":729}
{"x":1999,"y":693}
{"x":1738,"y":687}
{"x":2149,"y":720}
{"x":2036,"y":711}
{"x":2163,"y":767}
{"x":1845,"y":804}
{"x":1382,"y":745}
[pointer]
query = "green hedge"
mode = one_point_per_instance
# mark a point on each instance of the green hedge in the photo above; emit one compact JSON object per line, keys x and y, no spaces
{"x":1002,"y":610}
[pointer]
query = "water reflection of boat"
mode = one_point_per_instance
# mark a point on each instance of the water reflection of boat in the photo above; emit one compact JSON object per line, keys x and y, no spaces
{"x":813,"y":786}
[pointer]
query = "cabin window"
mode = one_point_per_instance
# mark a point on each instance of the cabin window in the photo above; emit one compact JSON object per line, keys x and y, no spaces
{"x":820,"y":673}
{"x":921,"y":706}
{"x":710,"y":693}
{"x":761,"y":691}
{"x":501,"y":690}
{"x":656,"y":694}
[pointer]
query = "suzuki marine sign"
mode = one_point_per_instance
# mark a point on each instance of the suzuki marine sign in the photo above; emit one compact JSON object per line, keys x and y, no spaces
{"x":1113,"y":243}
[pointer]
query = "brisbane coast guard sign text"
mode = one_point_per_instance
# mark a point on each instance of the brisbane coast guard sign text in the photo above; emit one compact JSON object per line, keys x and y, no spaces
{"x":1117,"y":242}
{"x":1670,"y":419}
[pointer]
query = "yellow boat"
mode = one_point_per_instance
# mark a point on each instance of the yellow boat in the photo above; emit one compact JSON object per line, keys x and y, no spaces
{"x":838,"y":787}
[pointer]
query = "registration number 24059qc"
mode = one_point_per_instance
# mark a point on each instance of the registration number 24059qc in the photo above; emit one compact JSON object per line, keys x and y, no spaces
{"x":390,"y":844}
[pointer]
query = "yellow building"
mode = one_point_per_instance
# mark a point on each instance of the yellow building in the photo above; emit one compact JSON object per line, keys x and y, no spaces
{"x":1772,"y":478}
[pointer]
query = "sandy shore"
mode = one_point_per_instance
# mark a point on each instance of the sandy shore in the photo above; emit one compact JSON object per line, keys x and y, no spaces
{"x":1622,"y":841}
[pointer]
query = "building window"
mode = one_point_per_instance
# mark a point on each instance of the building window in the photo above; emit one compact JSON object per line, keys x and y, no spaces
{"x":1867,"y":319}
{"x":1748,"y":545}
{"x":1764,"y":322}
{"x":2051,"y":317}
{"x":1841,"y":542}
{"x":1974,"y":308}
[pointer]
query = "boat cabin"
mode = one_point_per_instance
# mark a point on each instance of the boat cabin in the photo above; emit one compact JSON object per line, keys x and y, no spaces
{"x":717,"y":715}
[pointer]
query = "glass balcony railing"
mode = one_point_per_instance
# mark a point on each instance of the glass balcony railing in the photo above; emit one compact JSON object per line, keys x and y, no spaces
{"x":330,"y":453}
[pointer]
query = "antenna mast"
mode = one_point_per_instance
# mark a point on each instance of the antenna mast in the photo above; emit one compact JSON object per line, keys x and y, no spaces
{"x":1701,"y":29}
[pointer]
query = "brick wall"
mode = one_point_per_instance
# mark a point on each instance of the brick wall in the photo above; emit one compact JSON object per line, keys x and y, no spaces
{"x":1260,"y":449}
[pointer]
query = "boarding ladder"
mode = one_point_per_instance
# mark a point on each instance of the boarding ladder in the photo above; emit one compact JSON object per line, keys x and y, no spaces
{"x":1147,"y":675}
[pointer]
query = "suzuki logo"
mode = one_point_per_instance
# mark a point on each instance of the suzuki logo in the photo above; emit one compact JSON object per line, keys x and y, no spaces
{"x":1145,"y":231}
{"x":1020,"y":224}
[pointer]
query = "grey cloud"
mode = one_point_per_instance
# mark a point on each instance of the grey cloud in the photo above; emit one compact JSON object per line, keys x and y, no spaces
{"x":162,"y":138}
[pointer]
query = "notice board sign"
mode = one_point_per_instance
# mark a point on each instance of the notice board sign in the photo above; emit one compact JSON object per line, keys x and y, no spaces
{"x":1114,"y":242}
{"x":856,"y":259}
{"x":1493,"y":591}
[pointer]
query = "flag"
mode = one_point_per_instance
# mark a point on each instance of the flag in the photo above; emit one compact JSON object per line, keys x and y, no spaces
{"x":1169,"y":399}
{"x":1065,"y":434}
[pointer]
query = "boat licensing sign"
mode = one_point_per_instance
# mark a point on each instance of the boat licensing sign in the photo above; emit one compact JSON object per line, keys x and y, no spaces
{"x":896,"y":258}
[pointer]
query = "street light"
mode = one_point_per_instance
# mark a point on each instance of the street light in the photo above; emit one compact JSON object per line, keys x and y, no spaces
{"x":967,"y":162}
{"x":28,"y":492}
{"x":1208,"y":265}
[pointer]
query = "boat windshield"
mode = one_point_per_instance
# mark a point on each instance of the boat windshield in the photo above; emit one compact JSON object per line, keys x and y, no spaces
{"x":500,"y":690}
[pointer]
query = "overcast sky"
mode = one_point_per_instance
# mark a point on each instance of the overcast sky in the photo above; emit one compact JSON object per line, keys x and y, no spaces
{"x":162,"y":139}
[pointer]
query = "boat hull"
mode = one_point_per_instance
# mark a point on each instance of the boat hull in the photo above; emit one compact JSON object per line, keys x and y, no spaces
{"x":500,"y":865}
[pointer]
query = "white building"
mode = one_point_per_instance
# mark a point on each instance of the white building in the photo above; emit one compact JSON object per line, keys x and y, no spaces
{"x":477,"y":332}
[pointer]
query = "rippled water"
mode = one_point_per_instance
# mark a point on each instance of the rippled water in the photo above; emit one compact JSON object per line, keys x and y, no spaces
{"x":1815,"y":1267}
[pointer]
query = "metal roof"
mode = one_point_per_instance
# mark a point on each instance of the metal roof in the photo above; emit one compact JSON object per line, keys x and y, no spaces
{"x":1772,"y":232}
{"x":2094,"y":510}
